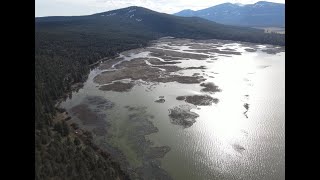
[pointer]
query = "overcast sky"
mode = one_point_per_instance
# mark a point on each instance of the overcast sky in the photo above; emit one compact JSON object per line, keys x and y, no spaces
{"x":86,"y":7}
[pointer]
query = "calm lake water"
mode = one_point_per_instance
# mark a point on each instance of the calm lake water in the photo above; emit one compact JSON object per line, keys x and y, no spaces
{"x":240,"y":137}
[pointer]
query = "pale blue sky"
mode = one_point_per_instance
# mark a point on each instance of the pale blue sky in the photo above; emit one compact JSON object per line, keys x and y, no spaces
{"x":86,"y":7}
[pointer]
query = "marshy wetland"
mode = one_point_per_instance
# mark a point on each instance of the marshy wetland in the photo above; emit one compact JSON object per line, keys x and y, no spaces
{"x":188,"y":109}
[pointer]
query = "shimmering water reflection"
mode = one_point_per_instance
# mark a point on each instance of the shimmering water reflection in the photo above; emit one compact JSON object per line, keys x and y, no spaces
{"x":240,"y":137}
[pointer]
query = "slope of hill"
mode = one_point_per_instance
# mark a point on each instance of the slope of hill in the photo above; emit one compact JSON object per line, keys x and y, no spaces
{"x":260,"y":14}
{"x":64,"y":49}
{"x":143,"y":23}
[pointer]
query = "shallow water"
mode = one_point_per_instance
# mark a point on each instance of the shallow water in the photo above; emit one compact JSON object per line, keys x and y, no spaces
{"x":227,"y":141}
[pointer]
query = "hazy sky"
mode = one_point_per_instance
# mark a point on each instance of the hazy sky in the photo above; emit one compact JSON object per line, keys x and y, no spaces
{"x":86,"y":7}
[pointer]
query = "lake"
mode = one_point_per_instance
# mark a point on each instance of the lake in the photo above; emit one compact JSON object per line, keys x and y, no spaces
{"x":189,"y":109}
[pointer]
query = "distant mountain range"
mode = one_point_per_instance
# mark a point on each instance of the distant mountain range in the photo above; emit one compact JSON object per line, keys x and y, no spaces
{"x":142,"y":23}
{"x":260,"y":14}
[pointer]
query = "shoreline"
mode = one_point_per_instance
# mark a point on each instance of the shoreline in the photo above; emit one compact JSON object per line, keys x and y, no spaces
{"x":86,"y":139}
{"x":78,"y":86}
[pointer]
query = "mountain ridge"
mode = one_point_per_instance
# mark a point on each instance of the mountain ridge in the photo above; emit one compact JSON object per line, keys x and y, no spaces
{"x":153,"y":25}
{"x":259,"y":14}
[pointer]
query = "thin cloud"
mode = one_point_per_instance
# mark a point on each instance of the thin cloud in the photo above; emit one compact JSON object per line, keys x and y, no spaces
{"x":85,"y":7}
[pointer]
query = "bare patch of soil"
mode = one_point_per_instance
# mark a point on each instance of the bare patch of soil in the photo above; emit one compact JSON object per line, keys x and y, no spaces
{"x":117,"y":86}
{"x":181,"y":115}
{"x":210,"y":87}
{"x":199,"y":100}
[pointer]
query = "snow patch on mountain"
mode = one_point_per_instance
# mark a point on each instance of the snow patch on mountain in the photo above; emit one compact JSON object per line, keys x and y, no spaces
{"x":239,"y":4}
{"x":112,"y":14}
{"x":258,"y":5}
{"x":132,"y":10}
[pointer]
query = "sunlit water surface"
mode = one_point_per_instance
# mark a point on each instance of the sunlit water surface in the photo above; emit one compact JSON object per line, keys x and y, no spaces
{"x":226,"y":142}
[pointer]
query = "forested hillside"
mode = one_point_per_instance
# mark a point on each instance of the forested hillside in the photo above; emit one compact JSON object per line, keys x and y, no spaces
{"x":62,"y":60}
